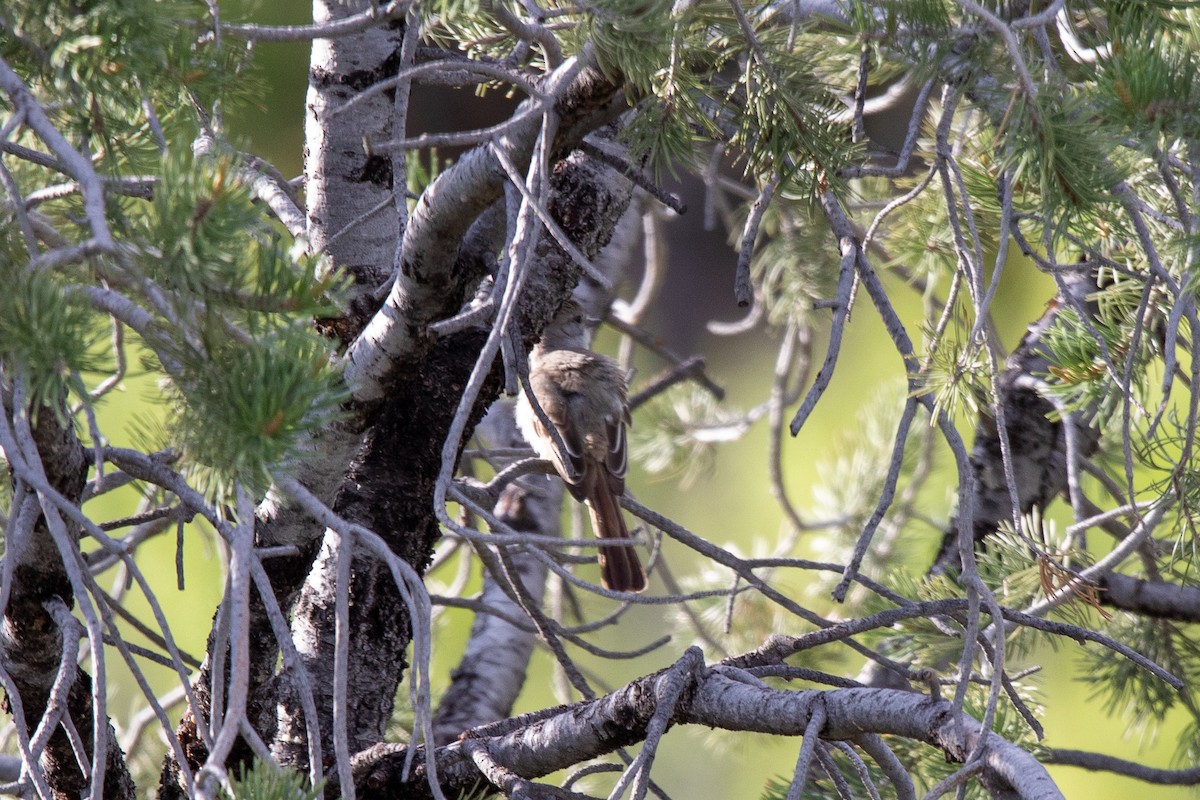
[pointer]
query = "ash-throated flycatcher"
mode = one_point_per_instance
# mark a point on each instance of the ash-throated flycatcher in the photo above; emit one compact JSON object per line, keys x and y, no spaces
{"x":583,"y":395}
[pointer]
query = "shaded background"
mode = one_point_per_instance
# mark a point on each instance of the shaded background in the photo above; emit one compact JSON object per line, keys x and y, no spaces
{"x":729,"y":503}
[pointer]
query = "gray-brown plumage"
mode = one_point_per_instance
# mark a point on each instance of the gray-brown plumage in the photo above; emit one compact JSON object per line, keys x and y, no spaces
{"x":583,"y":395}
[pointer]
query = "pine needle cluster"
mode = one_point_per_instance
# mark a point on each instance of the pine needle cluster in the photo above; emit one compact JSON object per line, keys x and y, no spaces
{"x":230,"y":298}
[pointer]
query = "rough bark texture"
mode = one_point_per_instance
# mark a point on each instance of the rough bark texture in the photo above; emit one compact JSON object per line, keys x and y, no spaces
{"x":30,"y":640}
{"x":429,"y":284}
{"x":485,"y":684}
{"x":541,"y":743}
{"x":343,"y":183}
{"x":1037,"y":443}
{"x":389,"y":488}
{"x":279,"y":522}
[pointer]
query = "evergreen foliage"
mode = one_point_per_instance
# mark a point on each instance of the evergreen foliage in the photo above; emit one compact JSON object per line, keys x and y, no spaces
{"x":1068,"y":147}
{"x":265,"y":782}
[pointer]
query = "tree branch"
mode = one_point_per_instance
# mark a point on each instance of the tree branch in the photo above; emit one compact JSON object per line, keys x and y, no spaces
{"x":1105,"y":763}
{"x":541,"y":745}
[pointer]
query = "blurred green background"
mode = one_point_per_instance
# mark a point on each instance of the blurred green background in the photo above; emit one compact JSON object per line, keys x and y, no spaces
{"x":729,"y":503}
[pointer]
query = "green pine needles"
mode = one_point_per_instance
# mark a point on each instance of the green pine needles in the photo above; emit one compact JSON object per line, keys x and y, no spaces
{"x":221,"y":300}
{"x":267,"y":782}
{"x":47,"y":333}
{"x":254,"y":377}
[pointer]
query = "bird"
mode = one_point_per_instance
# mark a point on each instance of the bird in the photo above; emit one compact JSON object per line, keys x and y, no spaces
{"x":583,"y":395}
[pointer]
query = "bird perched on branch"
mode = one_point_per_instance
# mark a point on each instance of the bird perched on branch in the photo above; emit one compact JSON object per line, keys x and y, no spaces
{"x":583,"y":396}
